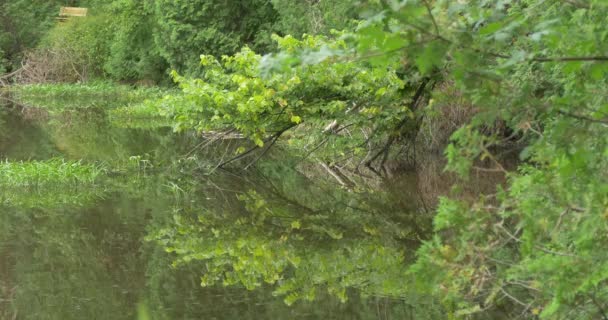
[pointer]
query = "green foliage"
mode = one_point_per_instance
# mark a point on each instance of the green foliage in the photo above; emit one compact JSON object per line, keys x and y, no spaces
{"x":82,"y":43}
{"x":22,"y":24}
{"x":534,"y":249}
{"x":138,"y":40}
{"x":47,"y":173}
{"x":52,"y":198}
{"x":59,"y":97}
{"x":53,"y":183}
{"x":88,"y":237}
{"x":298,"y":103}
{"x":133,"y":53}
{"x":187,"y":29}
{"x":297,"y":18}
{"x":533,"y":70}
{"x":3,"y":62}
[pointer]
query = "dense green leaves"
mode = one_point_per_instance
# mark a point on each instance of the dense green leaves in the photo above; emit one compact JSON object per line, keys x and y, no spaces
{"x":22,"y":24}
{"x":141,"y":40}
{"x":531,"y":77}
{"x":133,"y":52}
{"x":300,"y":102}
{"x":533,"y":71}
{"x":47,"y":173}
{"x":189,"y":29}
{"x":297,"y":18}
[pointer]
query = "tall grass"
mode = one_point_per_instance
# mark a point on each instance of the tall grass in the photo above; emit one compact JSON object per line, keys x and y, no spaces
{"x":48,"y":173}
{"x":93,"y":94}
{"x":141,"y":115}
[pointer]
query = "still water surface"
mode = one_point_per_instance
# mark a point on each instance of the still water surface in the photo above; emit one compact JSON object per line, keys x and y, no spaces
{"x":138,"y":243}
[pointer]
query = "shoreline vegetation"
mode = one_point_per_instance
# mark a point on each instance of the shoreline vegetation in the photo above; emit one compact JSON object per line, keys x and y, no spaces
{"x":511,"y":94}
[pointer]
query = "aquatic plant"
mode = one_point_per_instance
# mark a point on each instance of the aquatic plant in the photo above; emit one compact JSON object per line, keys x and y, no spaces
{"x":93,"y":94}
{"x":48,"y":173}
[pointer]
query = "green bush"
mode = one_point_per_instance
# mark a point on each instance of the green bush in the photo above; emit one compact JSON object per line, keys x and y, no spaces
{"x":22,"y":24}
{"x":297,"y":17}
{"x":59,"y":97}
{"x":83,"y":43}
{"x":3,"y":62}
{"x":53,"y":172}
{"x":187,"y":29}
{"x":133,"y":53}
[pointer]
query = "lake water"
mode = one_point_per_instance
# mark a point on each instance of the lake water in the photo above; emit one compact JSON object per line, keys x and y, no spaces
{"x":162,"y":234}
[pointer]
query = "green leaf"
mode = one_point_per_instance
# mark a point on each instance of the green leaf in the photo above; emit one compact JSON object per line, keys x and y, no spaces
{"x":296,"y":224}
{"x":491,"y":28}
{"x":296,"y":119}
{"x":430,"y":57}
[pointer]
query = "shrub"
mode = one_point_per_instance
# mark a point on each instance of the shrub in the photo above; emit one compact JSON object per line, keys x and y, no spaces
{"x":22,"y":24}
{"x":133,"y":53}
{"x":194,"y":27}
{"x":78,"y":47}
{"x":297,"y":17}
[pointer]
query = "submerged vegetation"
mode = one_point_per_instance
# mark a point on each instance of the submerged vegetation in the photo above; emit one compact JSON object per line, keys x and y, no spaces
{"x":298,"y":162}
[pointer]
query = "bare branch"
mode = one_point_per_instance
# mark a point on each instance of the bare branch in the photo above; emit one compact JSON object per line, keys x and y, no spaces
{"x":272,"y":139}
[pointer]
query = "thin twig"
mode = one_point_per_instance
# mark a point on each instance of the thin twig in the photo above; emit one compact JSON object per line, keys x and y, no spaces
{"x":428,"y":9}
{"x":272,"y":138}
{"x":581,"y":117}
{"x":205,"y":143}
{"x":384,"y":151}
{"x":266,"y":148}
{"x":536,"y":246}
{"x":512,"y":297}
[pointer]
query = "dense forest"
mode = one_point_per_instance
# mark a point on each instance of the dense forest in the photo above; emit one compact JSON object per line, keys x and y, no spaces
{"x":448,"y":155}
